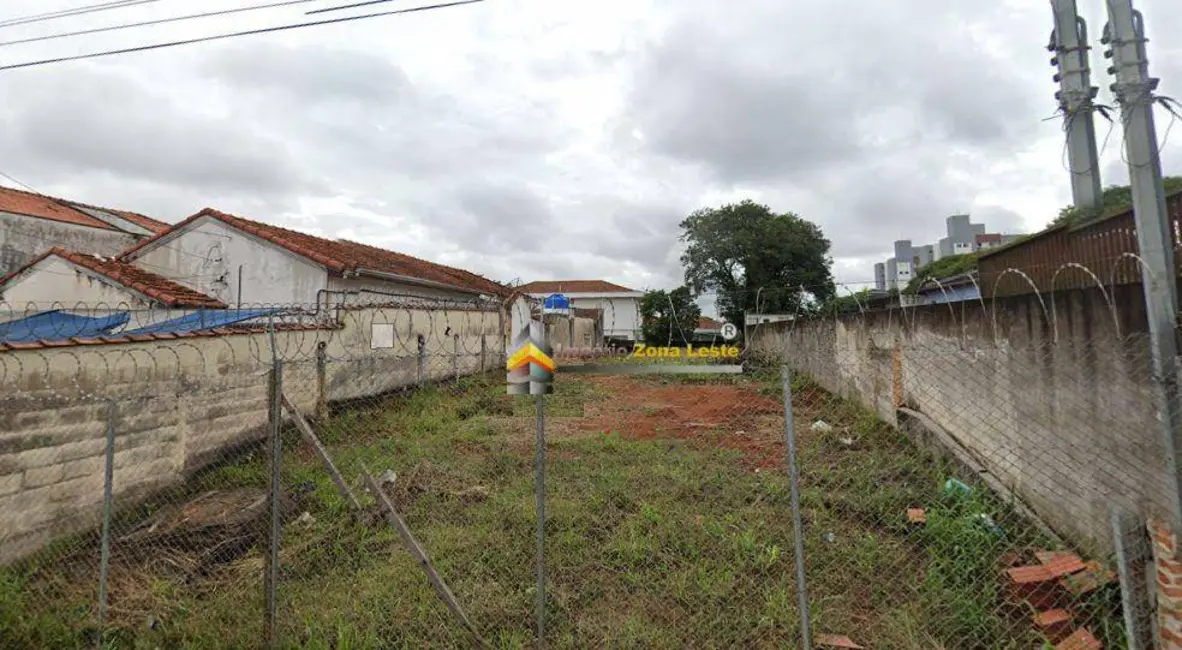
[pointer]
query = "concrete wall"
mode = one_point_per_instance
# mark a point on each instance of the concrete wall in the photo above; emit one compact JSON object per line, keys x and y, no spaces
{"x":570,"y":331}
{"x":1046,"y":393}
{"x":184,"y":403}
{"x":23,"y":238}
{"x":207,"y":256}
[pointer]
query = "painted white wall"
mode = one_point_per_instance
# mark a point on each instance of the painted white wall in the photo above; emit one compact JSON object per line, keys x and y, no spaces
{"x":54,"y":283}
{"x":206,"y":256}
{"x":621,"y":311}
{"x":23,"y":238}
{"x":336,"y":283}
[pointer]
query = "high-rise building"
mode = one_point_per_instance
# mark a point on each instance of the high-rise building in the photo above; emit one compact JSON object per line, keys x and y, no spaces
{"x":963,"y":236}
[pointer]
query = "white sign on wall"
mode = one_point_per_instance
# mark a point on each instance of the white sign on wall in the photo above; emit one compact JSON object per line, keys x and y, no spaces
{"x":381,"y":336}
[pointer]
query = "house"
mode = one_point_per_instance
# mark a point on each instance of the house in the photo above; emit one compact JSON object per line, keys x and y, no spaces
{"x":708,"y":330}
{"x":619,"y":306}
{"x":31,"y":224}
{"x":249,"y":263}
{"x":61,"y":279}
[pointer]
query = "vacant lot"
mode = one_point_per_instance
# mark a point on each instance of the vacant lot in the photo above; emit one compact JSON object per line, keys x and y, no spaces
{"x":669,"y":526}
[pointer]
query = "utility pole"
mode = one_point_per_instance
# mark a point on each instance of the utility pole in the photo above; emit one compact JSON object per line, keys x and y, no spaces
{"x":1133,"y":89}
{"x":1069,"y":42}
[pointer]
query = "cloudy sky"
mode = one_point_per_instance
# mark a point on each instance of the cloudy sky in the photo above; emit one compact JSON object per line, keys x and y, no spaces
{"x":540,"y":139}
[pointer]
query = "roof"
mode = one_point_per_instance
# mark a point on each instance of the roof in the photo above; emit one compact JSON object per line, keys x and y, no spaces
{"x":155,"y":287}
{"x":574,"y":286}
{"x":707,"y":323}
{"x":340,"y":256}
{"x":932,"y":284}
{"x":47,"y":207}
{"x":155,"y":225}
{"x":44,"y":207}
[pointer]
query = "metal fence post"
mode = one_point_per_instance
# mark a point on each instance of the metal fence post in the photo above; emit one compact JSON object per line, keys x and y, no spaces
{"x":321,"y":380}
{"x":797,"y":526}
{"x":421,"y":361}
{"x":455,"y":357}
{"x":483,"y":349}
{"x":1133,"y":563}
{"x":275,"y":431}
{"x":105,"y":553}
{"x":540,"y":480}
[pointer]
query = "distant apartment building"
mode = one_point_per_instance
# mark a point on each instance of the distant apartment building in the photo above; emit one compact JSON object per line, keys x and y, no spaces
{"x":898,"y":270}
{"x":963,"y":236}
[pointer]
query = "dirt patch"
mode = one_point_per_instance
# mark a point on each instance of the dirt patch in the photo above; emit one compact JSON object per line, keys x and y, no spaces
{"x":725,"y":415}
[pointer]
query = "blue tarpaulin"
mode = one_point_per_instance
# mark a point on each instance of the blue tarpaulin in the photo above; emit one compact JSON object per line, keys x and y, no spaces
{"x":202,"y":319}
{"x":555,"y":302}
{"x":57,"y":325}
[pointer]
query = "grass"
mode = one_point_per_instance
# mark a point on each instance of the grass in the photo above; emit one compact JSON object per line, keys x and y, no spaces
{"x":660,"y":542}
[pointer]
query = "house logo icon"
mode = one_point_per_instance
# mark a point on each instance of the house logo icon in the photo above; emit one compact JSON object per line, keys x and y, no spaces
{"x":530,"y":367}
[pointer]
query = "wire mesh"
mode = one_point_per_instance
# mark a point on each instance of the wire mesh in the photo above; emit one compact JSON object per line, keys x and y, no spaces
{"x":969,"y":476}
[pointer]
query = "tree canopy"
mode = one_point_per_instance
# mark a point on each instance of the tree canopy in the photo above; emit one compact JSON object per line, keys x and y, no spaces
{"x":1114,"y":199}
{"x":669,"y":317}
{"x":740,"y":248}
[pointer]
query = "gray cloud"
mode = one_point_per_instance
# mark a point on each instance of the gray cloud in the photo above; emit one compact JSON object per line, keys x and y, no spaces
{"x":309,"y":74}
{"x":101,"y":123}
{"x":875,"y":120}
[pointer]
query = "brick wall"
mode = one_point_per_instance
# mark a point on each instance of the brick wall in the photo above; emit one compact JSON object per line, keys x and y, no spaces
{"x":183,"y":403}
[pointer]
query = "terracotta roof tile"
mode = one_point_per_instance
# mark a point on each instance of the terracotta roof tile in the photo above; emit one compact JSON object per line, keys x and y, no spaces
{"x":155,"y":225}
{"x":45,"y":207}
{"x":342,"y":255}
{"x":65,"y":210}
{"x":574,"y":286}
{"x":158,"y":288}
{"x":707,"y":323}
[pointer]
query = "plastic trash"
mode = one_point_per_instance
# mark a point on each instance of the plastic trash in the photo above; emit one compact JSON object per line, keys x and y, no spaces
{"x":989,"y":524}
{"x":829,"y":537}
{"x":954,"y":487}
{"x":821,"y":426}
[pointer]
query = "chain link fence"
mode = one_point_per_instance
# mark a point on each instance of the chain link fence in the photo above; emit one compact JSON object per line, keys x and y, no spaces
{"x":947,"y":476}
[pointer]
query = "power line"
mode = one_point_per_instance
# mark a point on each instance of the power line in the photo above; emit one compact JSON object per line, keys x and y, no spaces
{"x":349,"y":6}
{"x":77,"y":11}
{"x":18,"y":182}
{"x":159,"y":21}
{"x":251,"y":32}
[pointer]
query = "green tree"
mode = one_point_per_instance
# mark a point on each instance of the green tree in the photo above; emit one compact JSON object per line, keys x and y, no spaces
{"x":756,"y":259}
{"x":669,"y":317}
{"x":1114,"y":199}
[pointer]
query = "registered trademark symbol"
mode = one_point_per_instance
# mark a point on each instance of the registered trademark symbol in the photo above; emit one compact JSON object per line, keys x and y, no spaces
{"x":729,"y":331}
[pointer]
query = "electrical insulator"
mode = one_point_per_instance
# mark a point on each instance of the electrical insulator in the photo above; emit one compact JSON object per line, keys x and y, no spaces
{"x":1054,"y":60}
{"x":1057,"y":78}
